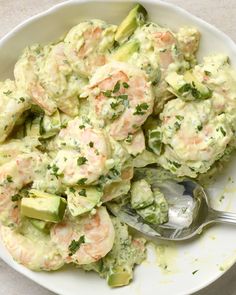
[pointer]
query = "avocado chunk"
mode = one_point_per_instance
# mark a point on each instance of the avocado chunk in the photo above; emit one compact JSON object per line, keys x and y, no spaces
{"x":40,"y":225}
{"x":199,"y":90}
{"x":119,"y":277}
{"x":136,"y":17}
{"x":187,"y":86}
{"x":44,"y":208}
{"x":141,"y":194}
{"x":156,"y":213}
{"x":83,"y":199}
{"x":125,"y":51}
{"x":155,"y":140}
{"x":32,"y":127}
{"x":51,"y":125}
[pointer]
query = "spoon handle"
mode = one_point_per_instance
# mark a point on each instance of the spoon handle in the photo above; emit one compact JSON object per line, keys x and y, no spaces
{"x":220,"y":216}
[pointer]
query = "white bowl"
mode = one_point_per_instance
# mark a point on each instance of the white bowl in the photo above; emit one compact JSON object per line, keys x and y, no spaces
{"x":213,"y":252}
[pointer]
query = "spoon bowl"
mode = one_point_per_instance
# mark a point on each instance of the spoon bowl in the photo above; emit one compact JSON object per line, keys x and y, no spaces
{"x":189,"y":212}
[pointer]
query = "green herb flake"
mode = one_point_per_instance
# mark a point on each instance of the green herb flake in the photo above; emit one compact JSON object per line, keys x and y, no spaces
{"x":82,"y":181}
{"x":122,"y":96}
{"x":107,"y":93}
{"x":8,"y":92}
{"x":75,"y":245}
{"x":199,"y":127}
{"x":22,"y":99}
{"x":195,"y":271}
{"x":177,"y":126}
{"x":222,"y":131}
{"x":81,"y":126}
{"x":83,"y":192}
{"x":125,"y":85}
{"x":16,"y":198}
{"x":116,"y":87}
{"x":114,"y":105}
{"x":72,"y":190}
{"x":9,"y":178}
{"x":141,"y":109}
{"x":81,"y":161}
{"x":207,"y":73}
{"x":91,"y":144}
{"x":180,"y":118}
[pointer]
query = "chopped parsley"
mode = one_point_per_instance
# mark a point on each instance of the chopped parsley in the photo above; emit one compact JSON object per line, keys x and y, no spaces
{"x":199,"y":127}
{"x":141,"y":109}
{"x":8,"y":92}
{"x":222,"y":131}
{"x":91,"y":144}
{"x":107,"y":93}
{"x":207,"y":73}
{"x":72,"y":190}
{"x":122,"y":96}
{"x":16,"y":198}
{"x":81,"y":127}
{"x":195,"y":271}
{"x":116,"y":87}
{"x":9,"y":178}
{"x":82,"y":181}
{"x":22,"y":99}
{"x":81,"y":161}
{"x":54,"y":169}
{"x":83,"y":192}
{"x":178,"y":117}
{"x":75,"y":245}
{"x":125,"y":85}
{"x":177,"y":126}
{"x":114,"y":105}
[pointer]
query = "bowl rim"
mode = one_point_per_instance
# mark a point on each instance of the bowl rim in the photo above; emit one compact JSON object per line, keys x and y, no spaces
{"x":228,"y":41}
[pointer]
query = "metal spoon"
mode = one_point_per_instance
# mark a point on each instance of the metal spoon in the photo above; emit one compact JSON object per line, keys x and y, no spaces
{"x":189,"y":212}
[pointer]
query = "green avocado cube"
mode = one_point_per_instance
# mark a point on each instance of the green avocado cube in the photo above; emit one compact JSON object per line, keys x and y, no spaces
{"x":141,"y":194}
{"x":83,"y":199}
{"x":48,"y":209}
{"x":156,"y":213}
{"x":125,"y":51}
{"x":136,"y":17}
{"x":40,"y":225}
{"x":119,"y":277}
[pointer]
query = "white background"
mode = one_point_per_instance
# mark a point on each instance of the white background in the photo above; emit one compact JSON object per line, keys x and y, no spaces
{"x":220,"y":13}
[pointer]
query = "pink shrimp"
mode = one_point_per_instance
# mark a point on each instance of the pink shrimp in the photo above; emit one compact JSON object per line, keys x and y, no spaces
{"x":129,"y":105}
{"x":86,"y":45}
{"x":35,"y":252}
{"x":94,"y":236}
{"x":14,"y":175}
{"x":83,"y":154}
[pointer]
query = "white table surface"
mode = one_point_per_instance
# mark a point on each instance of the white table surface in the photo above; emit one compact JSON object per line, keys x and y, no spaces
{"x":221,"y":13}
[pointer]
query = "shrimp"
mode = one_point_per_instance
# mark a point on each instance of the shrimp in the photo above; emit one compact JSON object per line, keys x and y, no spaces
{"x":33,"y":250}
{"x":45,"y":74}
{"x":14,"y":147}
{"x":58,"y":80}
{"x":14,"y":175}
{"x":159,"y":53}
{"x":93,"y":237}
{"x":13,"y":103}
{"x":194,"y":136}
{"x":26,"y":78}
{"x":83,"y":153}
{"x":122,"y":97}
{"x":87,"y":45}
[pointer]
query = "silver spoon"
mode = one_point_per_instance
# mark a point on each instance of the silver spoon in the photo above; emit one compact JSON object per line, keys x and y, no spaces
{"x":189,"y":212}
